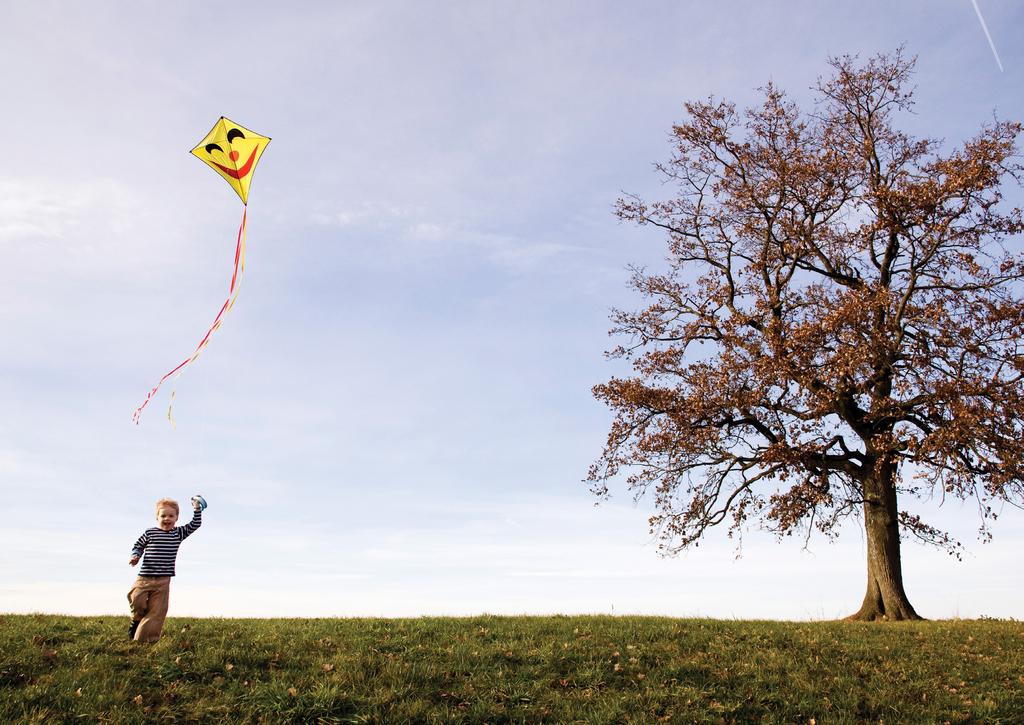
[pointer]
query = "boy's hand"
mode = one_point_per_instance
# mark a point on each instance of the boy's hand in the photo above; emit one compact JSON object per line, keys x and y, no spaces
{"x":134,"y":560}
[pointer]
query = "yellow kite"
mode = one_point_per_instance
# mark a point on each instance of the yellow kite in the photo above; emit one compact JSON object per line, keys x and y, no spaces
{"x":232,"y":151}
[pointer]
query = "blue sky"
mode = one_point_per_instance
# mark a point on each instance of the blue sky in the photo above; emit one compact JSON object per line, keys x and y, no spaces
{"x":395,"y":418}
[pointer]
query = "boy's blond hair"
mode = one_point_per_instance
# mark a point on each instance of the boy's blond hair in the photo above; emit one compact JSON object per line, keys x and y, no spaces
{"x":168,"y":503}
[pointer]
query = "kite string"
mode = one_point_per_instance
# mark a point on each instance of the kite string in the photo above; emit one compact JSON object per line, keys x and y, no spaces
{"x":236,"y":279}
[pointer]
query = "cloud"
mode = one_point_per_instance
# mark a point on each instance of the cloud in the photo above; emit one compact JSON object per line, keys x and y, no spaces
{"x":58,"y":231}
{"x":409,"y":235}
{"x":30,"y":213}
{"x":426,"y":231}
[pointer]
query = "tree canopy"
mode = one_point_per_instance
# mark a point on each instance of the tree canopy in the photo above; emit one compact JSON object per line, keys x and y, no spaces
{"x":840,"y":327}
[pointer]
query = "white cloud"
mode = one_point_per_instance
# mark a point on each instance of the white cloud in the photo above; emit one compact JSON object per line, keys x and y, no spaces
{"x":429,"y":231}
{"x":55,"y":233}
{"x":409,"y":235}
{"x":26,"y":214}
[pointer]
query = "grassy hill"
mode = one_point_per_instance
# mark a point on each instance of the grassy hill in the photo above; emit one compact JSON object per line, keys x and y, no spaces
{"x":562,"y":669}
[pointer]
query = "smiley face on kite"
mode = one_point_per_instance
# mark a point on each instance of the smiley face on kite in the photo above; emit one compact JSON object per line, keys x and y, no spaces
{"x":232,"y":151}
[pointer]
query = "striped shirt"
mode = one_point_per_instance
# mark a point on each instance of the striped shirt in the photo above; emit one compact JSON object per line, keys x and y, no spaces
{"x":161,"y":547}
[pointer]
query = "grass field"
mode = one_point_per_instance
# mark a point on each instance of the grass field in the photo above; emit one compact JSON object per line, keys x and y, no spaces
{"x":567,"y":669}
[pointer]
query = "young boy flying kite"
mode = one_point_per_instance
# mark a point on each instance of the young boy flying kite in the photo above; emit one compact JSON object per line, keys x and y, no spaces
{"x":150,"y":595}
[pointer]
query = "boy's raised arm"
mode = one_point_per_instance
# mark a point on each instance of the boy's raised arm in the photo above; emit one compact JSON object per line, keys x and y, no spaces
{"x":195,"y":523}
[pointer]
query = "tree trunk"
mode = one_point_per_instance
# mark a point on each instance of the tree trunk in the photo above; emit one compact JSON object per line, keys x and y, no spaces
{"x":885,"y":598}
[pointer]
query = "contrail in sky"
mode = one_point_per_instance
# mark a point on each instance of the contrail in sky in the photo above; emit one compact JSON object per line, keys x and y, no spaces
{"x":985,"y":28}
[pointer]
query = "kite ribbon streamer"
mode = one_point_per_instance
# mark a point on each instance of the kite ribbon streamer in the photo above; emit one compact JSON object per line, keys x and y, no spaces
{"x":236,"y":278}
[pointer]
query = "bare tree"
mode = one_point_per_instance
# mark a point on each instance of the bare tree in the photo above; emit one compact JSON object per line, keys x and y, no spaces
{"x":840,"y":327}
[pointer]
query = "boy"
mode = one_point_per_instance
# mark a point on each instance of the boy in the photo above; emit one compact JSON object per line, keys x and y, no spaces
{"x":150,"y":595}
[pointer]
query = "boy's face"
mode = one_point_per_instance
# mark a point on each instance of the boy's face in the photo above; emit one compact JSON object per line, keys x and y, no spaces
{"x":166,"y":518}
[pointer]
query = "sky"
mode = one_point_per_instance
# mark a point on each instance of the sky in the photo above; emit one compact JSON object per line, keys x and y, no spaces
{"x":396,"y":419}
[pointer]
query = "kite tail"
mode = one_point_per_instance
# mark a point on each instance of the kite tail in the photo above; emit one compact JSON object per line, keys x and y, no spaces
{"x":236,"y":279}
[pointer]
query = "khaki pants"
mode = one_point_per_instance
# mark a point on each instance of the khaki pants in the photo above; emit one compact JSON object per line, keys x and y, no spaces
{"x":149,"y":599}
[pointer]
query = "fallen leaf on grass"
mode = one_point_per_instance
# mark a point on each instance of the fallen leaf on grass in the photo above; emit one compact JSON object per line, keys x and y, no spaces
{"x":327,"y":667}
